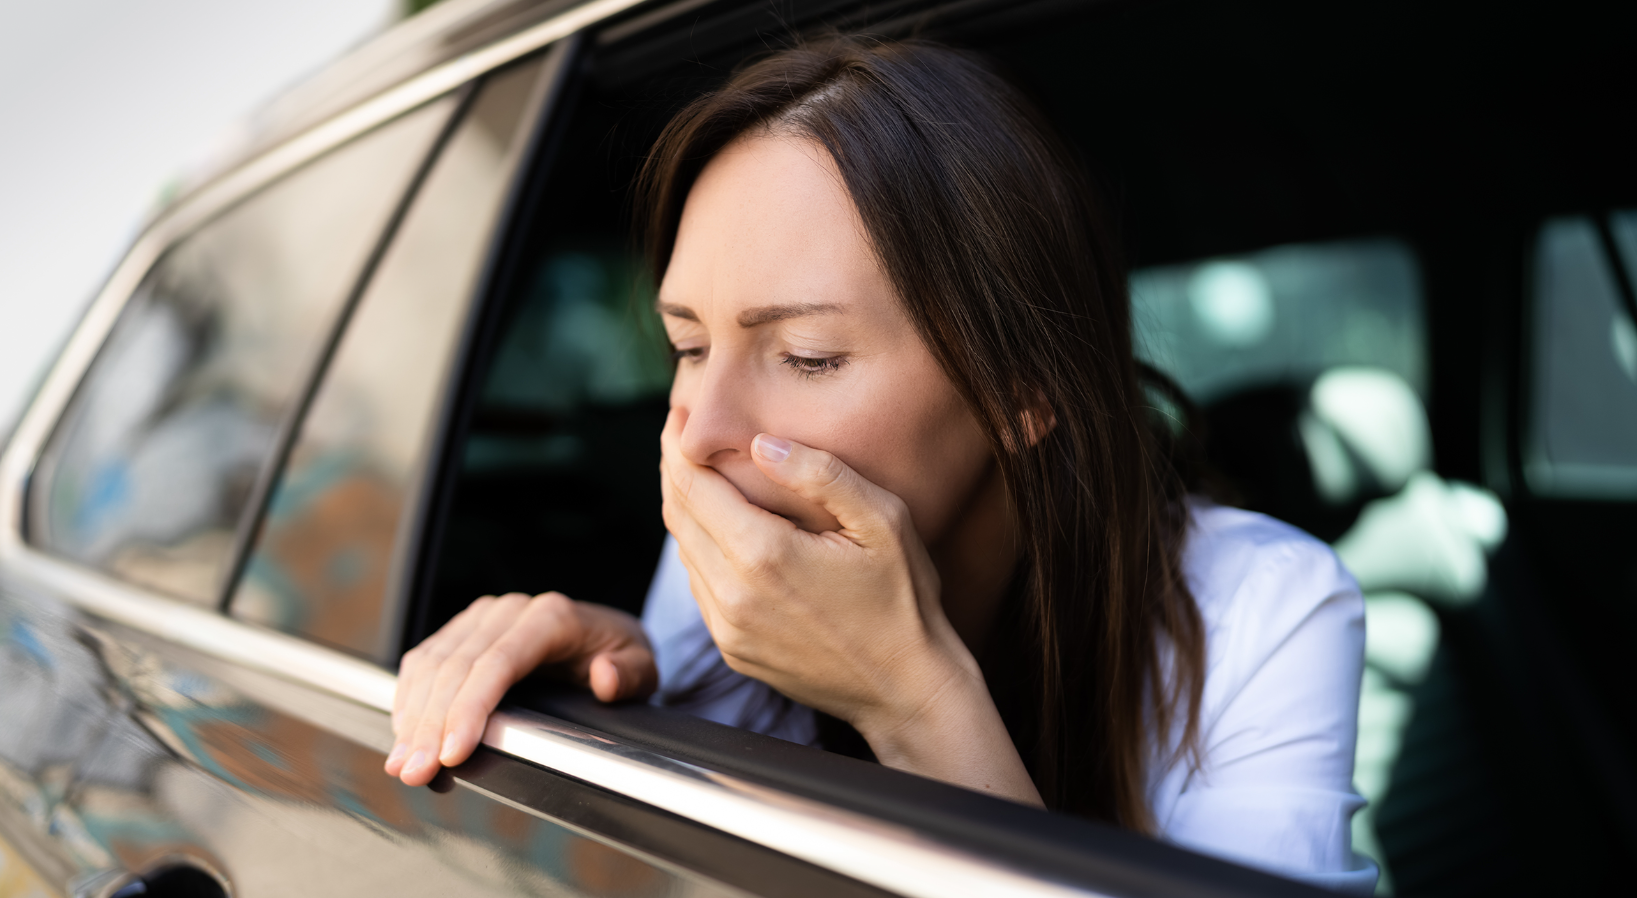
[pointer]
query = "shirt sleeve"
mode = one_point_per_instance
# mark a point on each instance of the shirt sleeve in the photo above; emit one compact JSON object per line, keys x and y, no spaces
{"x":1279,"y":722}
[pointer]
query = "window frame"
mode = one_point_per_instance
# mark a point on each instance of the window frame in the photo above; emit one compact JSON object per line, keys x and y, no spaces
{"x":1533,"y":468}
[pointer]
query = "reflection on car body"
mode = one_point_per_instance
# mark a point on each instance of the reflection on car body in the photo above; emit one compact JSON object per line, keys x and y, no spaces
{"x":397,"y":356}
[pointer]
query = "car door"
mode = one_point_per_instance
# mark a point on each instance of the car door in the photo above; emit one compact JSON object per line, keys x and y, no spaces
{"x":248,"y":440}
{"x":194,"y":359}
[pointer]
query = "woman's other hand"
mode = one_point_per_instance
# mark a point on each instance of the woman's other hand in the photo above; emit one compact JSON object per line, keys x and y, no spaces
{"x":849,"y":621}
{"x":449,"y":684}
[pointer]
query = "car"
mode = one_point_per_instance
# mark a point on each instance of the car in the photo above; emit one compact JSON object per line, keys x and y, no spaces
{"x":395,"y":352}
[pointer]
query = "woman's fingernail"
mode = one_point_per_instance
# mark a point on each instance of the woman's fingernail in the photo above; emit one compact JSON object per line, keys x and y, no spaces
{"x":397,"y":752}
{"x":448,"y":747}
{"x":416,"y":761}
{"x":772,"y":448}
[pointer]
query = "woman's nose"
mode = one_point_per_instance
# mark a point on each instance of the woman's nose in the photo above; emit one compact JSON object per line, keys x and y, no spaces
{"x":721,"y":420}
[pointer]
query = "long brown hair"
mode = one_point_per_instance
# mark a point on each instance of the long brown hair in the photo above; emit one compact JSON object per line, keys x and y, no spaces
{"x":988,"y":230}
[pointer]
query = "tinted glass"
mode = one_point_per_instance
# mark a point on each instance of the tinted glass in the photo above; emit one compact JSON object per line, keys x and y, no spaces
{"x":323,"y":563}
{"x":151,"y":467}
{"x":1286,"y":313}
{"x":1583,"y":441}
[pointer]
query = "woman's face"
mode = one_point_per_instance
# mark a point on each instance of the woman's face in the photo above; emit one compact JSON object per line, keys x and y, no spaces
{"x":785,"y":323}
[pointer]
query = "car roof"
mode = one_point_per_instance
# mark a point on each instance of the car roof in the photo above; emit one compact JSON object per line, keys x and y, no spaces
{"x":441,"y":33}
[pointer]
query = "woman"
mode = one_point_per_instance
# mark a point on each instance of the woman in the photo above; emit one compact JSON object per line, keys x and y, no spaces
{"x":914,"y":486}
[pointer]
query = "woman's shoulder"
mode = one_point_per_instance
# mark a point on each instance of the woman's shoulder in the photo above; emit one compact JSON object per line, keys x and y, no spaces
{"x":1284,"y":625}
{"x":1239,"y":562}
{"x":1270,"y":595}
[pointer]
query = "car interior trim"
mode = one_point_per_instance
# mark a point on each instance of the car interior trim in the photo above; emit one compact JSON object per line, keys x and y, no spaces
{"x":882,"y":854}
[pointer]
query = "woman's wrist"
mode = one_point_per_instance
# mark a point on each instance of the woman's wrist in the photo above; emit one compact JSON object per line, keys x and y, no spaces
{"x":945,"y":726}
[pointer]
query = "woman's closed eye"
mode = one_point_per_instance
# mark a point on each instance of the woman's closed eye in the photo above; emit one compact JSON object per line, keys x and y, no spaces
{"x":691,"y":353}
{"x":811,"y":366}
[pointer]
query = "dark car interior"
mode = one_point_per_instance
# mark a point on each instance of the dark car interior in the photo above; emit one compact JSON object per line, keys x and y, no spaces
{"x":1411,"y":181}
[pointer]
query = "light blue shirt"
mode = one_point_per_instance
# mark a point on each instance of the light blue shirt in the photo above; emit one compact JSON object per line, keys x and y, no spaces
{"x":1278,"y":722}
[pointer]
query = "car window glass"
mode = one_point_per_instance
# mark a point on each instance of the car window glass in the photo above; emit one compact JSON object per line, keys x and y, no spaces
{"x":1583,"y":434}
{"x":151,"y":467}
{"x":325,"y":561}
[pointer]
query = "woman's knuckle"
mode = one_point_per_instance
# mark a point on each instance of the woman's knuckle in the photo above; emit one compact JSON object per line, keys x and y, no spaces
{"x":737,"y":608}
{"x":553,"y":609}
{"x":760,"y":557}
{"x":828,"y":470}
{"x":897,"y":513}
{"x":493,"y":661}
{"x":731,"y":642}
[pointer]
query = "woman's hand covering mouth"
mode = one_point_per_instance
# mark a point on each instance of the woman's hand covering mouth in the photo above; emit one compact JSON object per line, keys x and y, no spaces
{"x":848,"y":621}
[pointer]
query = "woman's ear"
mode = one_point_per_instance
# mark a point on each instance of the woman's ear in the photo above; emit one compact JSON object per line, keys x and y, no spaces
{"x":1038,"y":418}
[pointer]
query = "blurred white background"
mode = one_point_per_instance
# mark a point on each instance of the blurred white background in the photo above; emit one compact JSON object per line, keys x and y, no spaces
{"x":102,"y":104}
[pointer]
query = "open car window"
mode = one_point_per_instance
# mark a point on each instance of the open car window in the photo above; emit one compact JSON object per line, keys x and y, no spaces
{"x":1284,"y":314}
{"x":551,"y":479}
{"x":1583,"y":430}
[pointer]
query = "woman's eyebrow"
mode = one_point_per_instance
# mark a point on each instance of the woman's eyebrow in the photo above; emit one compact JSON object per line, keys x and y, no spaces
{"x":675,"y":311}
{"x":769,"y":314}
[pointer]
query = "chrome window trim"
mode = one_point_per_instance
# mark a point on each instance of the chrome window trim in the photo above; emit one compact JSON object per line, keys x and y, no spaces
{"x":882,"y":854}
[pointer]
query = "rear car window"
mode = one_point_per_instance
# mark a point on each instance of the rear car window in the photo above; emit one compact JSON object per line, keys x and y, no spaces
{"x":326,"y":563}
{"x":1583,"y":430}
{"x":150,"y":470}
{"x":1286,"y":313}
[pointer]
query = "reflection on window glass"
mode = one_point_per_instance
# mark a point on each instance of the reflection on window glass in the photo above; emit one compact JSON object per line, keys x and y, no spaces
{"x":559,"y":489}
{"x":150,"y":469}
{"x":1282,"y":314}
{"x":324,"y":564}
{"x":1584,"y":433}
